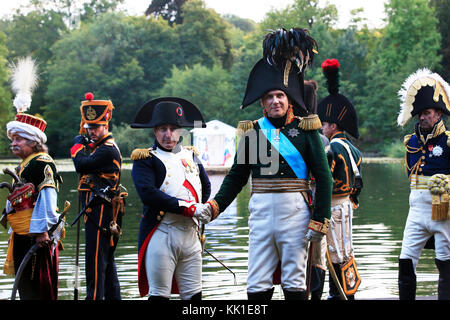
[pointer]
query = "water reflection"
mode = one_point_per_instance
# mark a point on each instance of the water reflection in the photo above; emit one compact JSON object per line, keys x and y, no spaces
{"x":378,"y":229}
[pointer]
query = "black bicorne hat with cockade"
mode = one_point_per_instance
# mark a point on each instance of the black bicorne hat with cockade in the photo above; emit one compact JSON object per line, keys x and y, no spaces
{"x":336,"y":108}
{"x":169,"y":110}
{"x":286,"y":55}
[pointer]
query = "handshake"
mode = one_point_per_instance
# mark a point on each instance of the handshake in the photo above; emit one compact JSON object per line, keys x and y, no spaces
{"x":202,"y":211}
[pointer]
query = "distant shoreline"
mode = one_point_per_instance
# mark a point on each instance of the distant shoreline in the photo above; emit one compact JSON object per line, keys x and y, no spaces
{"x":66,"y":165}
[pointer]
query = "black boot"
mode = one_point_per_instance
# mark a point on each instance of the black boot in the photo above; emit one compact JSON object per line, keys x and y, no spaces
{"x":407,"y":280}
{"x":444,"y":279}
{"x":295,"y":295}
{"x":197,"y":296}
{"x":262,"y":295}
{"x":333,"y":293}
{"x":317,"y":282}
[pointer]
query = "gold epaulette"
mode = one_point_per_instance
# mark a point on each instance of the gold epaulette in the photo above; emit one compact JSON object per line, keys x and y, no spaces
{"x":310,"y":122}
{"x":193,"y":149}
{"x":138,"y":154}
{"x":406,"y":139}
{"x":244,"y":126}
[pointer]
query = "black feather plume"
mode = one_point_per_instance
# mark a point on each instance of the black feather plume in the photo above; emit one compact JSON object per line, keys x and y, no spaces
{"x":295,"y":45}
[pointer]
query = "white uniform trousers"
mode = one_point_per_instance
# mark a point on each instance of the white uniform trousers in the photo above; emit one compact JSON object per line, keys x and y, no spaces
{"x":339,"y":236}
{"x":277,"y":226}
{"x":419,"y":228}
{"x":174,"y":250}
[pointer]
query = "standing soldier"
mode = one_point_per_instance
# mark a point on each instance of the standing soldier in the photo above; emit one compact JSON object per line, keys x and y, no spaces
{"x":31,"y":205}
{"x":98,"y":162}
{"x":427,"y":95}
{"x":338,"y":116}
{"x":280,"y":151}
{"x":172,"y":185}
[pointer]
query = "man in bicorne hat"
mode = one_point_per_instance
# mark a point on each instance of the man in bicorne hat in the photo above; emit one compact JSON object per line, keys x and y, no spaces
{"x":338,"y":117}
{"x":172,"y":185}
{"x":280,"y":151}
{"x":426,"y":95}
{"x":31,"y":206}
{"x":98,"y":162}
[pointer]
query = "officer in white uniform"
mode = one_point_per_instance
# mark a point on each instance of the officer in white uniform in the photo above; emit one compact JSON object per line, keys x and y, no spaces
{"x":426,"y":95}
{"x":172,"y":185}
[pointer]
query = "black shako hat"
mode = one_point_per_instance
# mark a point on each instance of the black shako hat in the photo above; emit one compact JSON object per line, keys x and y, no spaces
{"x":286,"y":56}
{"x":168,"y":110}
{"x":336,"y":108}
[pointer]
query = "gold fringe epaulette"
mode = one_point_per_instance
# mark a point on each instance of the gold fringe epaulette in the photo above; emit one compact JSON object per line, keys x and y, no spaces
{"x":244,"y":126}
{"x":138,"y":154}
{"x":406,"y":139}
{"x":310,"y":122}
{"x":193,"y":149}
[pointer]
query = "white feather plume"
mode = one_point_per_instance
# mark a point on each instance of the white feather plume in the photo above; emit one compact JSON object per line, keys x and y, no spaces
{"x":24,"y":80}
{"x":410,"y":87}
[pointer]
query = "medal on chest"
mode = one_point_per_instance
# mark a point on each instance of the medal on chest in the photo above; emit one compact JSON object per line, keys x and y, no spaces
{"x":435,"y":151}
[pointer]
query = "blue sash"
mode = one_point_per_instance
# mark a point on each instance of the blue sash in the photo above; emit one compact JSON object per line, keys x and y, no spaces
{"x":285,"y":148}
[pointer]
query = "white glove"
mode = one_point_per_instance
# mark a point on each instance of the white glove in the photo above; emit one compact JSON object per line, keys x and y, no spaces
{"x":314,"y":236}
{"x":203,"y":212}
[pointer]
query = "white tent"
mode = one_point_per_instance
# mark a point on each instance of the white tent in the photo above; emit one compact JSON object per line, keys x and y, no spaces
{"x":215,"y":143}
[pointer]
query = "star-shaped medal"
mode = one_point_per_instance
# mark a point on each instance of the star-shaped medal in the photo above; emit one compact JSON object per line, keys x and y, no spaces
{"x":293,"y":132}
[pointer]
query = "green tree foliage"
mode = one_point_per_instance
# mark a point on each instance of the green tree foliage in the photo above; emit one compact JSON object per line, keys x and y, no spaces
{"x":170,"y":10}
{"x":6,"y":113}
{"x":442,"y":9}
{"x":410,"y":41}
{"x":204,"y":36}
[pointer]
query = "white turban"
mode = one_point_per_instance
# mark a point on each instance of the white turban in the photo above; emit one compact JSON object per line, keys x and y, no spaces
{"x":26,"y":131}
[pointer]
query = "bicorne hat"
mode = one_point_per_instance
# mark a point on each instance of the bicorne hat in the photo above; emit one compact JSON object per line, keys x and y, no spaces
{"x":286,"y":55}
{"x":336,"y":108}
{"x":169,"y":110}
{"x":423,"y":90}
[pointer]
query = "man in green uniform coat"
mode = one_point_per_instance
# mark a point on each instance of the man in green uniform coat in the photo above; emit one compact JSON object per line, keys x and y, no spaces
{"x":280,"y":151}
{"x":338,"y":117}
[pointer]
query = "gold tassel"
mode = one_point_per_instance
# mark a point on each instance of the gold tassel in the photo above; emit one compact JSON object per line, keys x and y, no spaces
{"x":310,"y":122}
{"x":439,"y":207}
{"x":244,"y":126}
{"x":138,"y":154}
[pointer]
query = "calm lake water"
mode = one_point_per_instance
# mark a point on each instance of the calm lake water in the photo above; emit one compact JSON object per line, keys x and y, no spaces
{"x":378,"y":228}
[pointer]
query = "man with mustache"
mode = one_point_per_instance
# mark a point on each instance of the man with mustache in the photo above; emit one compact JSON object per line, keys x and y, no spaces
{"x":426,"y":95}
{"x":172,"y":185}
{"x":32,"y":207}
{"x":99,"y":162}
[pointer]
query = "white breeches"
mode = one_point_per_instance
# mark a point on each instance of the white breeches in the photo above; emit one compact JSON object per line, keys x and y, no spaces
{"x":174,"y":250}
{"x":277,"y":226}
{"x":419,"y":228}
{"x":339,"y":236}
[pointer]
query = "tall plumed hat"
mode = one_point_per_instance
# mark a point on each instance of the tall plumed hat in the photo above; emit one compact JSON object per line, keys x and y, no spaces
{"x":169,"y":110}
{"x":422,"y":90}
{"x":94,"y":112}
{"x":24,"y":79}
{"x":286,"y":55}
{"x":336,"y":108}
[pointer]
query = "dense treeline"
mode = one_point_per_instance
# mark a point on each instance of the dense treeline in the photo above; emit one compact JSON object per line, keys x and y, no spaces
{"x":183,"y":48}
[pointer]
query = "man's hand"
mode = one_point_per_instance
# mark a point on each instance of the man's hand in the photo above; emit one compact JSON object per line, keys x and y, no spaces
{"x":314,"y":236}
{"x":80,"y":139}
{"x":42,"y":239}
{"x":202,"y":211}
